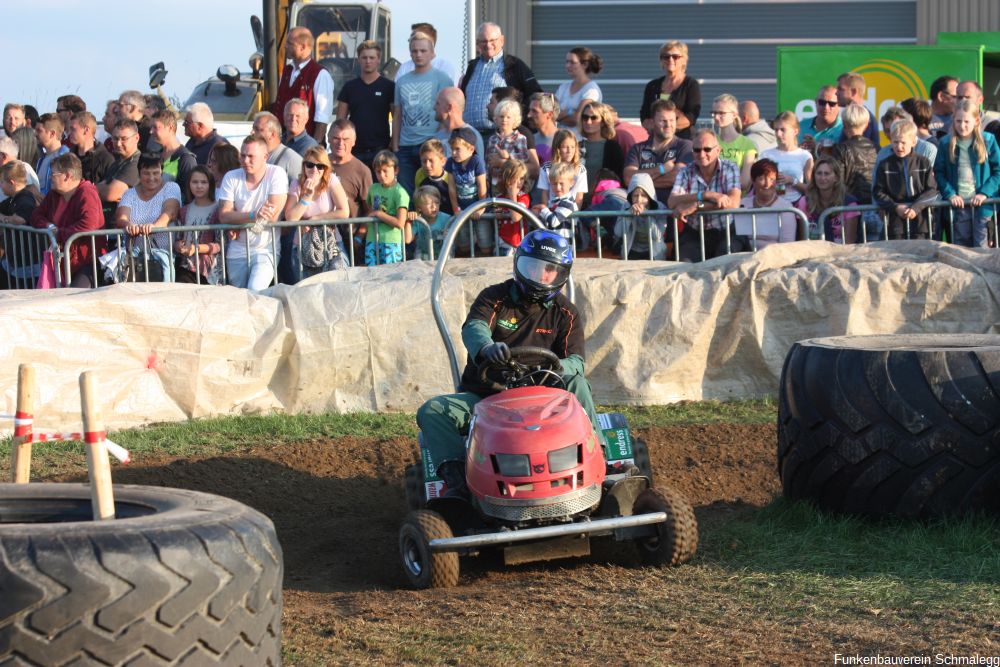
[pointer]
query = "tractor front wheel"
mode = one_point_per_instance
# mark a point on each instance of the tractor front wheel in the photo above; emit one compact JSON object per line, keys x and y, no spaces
{"x":676,"y":538}
{"x":423,"y":567}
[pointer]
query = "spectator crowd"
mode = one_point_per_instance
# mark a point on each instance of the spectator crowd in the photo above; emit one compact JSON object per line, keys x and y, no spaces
{"x":410,"y":154}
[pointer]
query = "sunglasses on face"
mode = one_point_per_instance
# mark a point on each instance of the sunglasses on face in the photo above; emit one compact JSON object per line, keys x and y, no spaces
{"x":671,"y":56}
{"x":314,"y":165}
{"x":826,"y":103}
{"x":703,"y":149}
{"x":589,"y":117}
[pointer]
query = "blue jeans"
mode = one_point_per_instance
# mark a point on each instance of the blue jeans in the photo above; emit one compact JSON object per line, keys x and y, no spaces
{"x":409,"y":163}
{"x":970,"y":227}
{"x":254,"y":275}
{"x":288,"y":262}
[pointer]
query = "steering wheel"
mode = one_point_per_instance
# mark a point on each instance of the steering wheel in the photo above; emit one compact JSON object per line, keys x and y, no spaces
{"x":545,"y":371}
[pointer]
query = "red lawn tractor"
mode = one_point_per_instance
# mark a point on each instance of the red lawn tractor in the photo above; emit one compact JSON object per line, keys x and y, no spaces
{"x":541,"y":482}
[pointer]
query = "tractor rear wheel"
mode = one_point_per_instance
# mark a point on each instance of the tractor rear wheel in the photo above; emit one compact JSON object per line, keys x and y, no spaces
{"x":423,"y":567}
{"x":414,"y":486}
{"x":640,"y":456}
{"x":677,"y":537}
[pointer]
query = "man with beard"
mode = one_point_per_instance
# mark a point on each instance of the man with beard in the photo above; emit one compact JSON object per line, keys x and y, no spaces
{"x":663,"y":155}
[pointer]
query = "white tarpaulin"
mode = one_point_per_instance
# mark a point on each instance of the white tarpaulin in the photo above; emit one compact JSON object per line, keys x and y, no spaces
{"x":365,"y":339}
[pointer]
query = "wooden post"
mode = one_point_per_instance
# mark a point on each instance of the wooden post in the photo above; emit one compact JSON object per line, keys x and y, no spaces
{"x":98,"y":466}
{"x":20,"y":468}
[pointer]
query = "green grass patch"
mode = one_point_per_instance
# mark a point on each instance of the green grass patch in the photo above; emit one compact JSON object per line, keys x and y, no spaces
{"x":790,"y":554}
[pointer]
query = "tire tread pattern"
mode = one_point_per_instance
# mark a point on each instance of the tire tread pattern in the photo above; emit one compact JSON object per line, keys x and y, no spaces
{"x":910,"y":429}
{"x":678,"y":539}
{"x":199,"y":586}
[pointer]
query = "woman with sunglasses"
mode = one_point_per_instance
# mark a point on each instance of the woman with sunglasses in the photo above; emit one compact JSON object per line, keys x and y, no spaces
{"x":676,"y":86}
{"x":581,"y":62}
{"x":318,"y":195}
{"x":598,"y":145}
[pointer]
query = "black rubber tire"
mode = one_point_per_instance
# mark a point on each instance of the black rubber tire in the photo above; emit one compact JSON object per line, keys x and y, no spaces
{"x":677,"y":538}
{"x":640,"y":457}
{"x":180,"y":577}
{"x":904,"y":425}
{"x":423,"y":568}
{"x":413,"y":477}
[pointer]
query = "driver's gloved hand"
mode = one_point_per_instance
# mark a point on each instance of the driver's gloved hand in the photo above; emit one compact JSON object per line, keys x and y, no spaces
{"x":496,"y":353}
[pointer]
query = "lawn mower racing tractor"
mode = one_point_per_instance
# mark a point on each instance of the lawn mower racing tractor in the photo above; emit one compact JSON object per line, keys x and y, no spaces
{"x":541,"y":483}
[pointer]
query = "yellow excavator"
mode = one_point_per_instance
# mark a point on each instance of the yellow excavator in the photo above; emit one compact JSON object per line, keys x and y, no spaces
{"x":338,"y":28}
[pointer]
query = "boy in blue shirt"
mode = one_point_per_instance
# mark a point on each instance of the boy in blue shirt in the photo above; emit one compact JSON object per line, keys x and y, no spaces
{"x":468,"y":182}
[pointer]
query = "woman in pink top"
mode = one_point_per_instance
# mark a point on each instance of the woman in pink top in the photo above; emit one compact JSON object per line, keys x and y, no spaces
{"x":318,"y":195}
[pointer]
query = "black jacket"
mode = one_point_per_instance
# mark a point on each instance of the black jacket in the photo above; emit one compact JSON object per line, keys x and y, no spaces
{"x":516,"y":73}
{"x":857,"y":155}
{"x":513,"y":320}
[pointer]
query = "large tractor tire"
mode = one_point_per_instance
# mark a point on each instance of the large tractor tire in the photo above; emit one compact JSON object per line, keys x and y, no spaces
{"x":676,"y":539}
{"x":423,"y":567}
{"x":180,"y":577}
{"x":905,"y":425}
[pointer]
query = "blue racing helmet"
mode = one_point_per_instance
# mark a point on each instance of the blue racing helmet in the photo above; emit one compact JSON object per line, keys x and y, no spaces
{"x":542,"y":264}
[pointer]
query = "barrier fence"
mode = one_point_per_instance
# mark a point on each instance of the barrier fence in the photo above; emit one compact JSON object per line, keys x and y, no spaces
{"x":654,"y":235}
{"x":938,"y":219}
{"x":23,"y":249}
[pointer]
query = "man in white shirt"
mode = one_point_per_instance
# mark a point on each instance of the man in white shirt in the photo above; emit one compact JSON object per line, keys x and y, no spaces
{"x":254,"y":194}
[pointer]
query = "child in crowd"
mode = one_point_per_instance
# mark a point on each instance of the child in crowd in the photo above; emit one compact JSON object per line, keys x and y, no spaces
{"x":967,"y":167}
{"x":905,"y":184}
{"x":795,"y":164}
{"x":608,"y":195}
{"x":387,"y":201}
{"x":507,"y":143}
{"x":733,"y":146}
{"x":565,"y":148}
{"x":196,"y":251}
{"x":510,"y":185}
{"x":427,"y":205}
{"x":467,"y":182}
{"x":638,"y":236}
{"x":562,"y":202}
{"x":432,"y":173}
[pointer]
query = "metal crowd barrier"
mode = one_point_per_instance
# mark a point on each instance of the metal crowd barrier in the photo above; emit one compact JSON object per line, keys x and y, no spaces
{"x":146,"y":254}
{"x":23,"y":249}
{"x":672,"y":236}
{"x":933,"y":215}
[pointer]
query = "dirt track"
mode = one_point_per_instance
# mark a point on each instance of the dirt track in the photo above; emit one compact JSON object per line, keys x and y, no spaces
{"x":337,"y":508}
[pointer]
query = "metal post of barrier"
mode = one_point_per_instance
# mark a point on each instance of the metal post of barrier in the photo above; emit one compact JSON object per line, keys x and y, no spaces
{"x":23,"y":422}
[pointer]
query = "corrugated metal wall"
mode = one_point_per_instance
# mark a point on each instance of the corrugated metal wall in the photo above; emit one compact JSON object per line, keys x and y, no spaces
{"x":514,"y":16}
{"x":934,"y":16}
{"x":731,"y":43}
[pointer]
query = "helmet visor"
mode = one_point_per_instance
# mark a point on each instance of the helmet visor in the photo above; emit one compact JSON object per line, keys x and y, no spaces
{"x":541,"y":272}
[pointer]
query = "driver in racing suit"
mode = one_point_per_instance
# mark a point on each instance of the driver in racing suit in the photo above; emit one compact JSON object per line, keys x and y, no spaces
{"x":528,"y":310}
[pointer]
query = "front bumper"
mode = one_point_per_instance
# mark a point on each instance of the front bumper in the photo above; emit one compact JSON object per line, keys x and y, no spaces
{"x":561,"y":530}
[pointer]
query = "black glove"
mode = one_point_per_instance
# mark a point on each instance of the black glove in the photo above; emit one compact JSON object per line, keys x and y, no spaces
{"x":496,"y":353}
